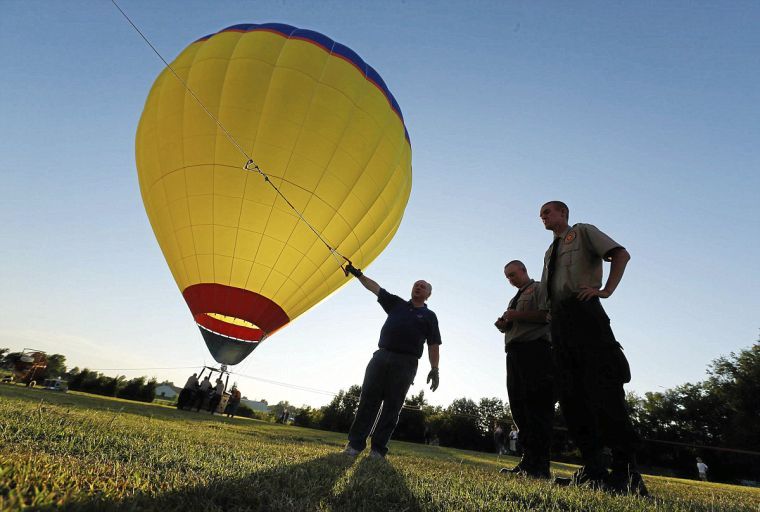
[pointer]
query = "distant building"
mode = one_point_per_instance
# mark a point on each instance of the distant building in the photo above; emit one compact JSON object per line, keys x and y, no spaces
{"x":256,"y":406}
{"x":167,"y":391}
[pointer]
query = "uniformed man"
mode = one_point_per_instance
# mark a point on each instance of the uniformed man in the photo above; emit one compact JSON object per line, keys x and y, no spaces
{"x":529,"y":371}
{"x":590,"y":365}
{"x":393,"y":366}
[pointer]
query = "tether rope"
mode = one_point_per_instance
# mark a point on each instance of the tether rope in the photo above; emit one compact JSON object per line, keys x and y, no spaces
{"x":250,"y":164}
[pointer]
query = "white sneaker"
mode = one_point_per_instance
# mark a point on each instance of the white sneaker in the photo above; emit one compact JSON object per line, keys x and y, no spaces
{"x":350,"y":451}
{"x":374,"y":454}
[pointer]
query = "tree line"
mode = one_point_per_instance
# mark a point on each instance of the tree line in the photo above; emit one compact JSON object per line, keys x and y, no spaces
{"x":141,"y":389}
{"x":721,"y":411}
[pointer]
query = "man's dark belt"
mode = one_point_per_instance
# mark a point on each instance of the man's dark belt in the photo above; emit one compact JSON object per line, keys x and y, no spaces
{"x":399,"y":353}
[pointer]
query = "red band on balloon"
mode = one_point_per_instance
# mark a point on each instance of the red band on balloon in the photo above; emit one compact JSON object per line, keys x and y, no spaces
{"x":240,"y":332}
{"x":225,"y":300}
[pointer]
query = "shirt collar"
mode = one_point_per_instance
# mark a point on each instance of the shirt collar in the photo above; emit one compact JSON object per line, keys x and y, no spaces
{"x":564,"y":234}
{"x":527,"y":284}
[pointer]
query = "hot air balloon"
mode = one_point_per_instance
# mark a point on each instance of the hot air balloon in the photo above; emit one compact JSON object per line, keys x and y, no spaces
{"x":250,"y":254}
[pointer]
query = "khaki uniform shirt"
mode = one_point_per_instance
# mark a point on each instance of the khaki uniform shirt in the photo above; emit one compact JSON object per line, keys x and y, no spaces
{"x":579,"y":261}
{"x":523,"y":331}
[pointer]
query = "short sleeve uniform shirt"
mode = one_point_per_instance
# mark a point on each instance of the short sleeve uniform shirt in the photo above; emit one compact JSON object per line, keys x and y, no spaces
{"x":407,"y":327}
{"x":529,"y":300}
{"x":581,"y":251}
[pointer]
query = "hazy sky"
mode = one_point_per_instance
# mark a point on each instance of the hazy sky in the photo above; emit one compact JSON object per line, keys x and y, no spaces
{"x":644,"y":117}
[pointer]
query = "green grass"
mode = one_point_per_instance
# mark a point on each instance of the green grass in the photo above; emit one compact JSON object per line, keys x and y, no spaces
{"x":81,"y":452}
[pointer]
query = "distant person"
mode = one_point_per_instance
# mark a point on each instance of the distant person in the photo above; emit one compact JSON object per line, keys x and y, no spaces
{"x":702,"y":469}
{"x":187,"y":395}
{"x":202,"y":393}
{"x":530,"y":375}
{"x":192,"y":382}
{"x":513,"y":435}
{"x":498,"y":438}
{"x":390,"y":372}
{"x":589,"y":361}
{"x":217,"y":396}
{"x":234,"y":402}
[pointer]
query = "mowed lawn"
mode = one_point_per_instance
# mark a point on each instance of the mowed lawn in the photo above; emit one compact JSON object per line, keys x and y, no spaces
{"x":82,"y":452}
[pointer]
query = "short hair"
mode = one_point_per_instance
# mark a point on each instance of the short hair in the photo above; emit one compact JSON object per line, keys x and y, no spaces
{"x":561,"y":206}
{"x":429,"y":286}
{"x":516,"y":262}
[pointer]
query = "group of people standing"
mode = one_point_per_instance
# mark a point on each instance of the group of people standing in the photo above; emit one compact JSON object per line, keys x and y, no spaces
{"x":197,"y":394}
{"x":559,"y":347}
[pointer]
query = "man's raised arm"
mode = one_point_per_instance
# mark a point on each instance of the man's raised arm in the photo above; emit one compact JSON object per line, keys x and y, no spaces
{"x":368,"y":283}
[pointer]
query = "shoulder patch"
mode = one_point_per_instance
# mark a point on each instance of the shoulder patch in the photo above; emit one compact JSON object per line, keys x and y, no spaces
{"x":529,"y":290}
{"x":570,"y":237}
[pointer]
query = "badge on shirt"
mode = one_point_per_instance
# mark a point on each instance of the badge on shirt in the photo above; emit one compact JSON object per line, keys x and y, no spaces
{"x":528,"y":291}
{"x":570,"y":237}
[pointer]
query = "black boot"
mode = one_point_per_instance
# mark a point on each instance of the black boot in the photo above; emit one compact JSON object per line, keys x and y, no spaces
{"x":521,"y":466}
{"x":593,"y":472}
{"x":531,"y":467}
{"x":625,"y":479}
{"x":540,"y":471}
{"x":593,"y":476}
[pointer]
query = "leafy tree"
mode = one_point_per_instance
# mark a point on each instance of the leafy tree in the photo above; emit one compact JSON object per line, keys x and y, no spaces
{"x":460,"y":426}
{"x":412,"y":420}
{"x":491,"y":410}
{"x":110,"y":386}
{"x":148,"y":391}
{"x":277,"y":409}
{"x":339,"y":413}
{"x":735,"y":382}
{"x":138,"y":389}
{"x":77,"y":379}
{"x":721,"y":411}
{"x":10,"y":358}
{"x":307,"y":417}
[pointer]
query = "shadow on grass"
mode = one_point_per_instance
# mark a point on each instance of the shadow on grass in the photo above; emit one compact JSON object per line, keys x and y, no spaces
{"x":373,"y":485}
{"x":292,"y":487}
{"x":376,"y":485}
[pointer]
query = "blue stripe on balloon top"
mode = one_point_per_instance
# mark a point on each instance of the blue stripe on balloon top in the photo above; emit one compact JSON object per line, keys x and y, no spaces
{"x":329,"y":46}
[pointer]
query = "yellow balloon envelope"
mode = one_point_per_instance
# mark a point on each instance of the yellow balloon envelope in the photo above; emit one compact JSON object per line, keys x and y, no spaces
{"x":321,"y":123}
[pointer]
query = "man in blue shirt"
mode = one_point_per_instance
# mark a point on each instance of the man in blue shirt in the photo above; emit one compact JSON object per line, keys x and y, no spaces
{"x":393,"y":366}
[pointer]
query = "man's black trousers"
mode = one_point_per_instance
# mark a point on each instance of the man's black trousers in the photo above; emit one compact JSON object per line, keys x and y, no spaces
{"x":591,"y":371}
{"x":531,"y":397}
{"x":386,"y":382}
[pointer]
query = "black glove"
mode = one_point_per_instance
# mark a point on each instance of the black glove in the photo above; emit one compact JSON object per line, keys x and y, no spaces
{"x":432,"y":379}
{"x":350,"y":269}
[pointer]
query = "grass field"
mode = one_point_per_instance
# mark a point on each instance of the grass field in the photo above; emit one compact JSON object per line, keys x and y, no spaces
{"x":81,"y":452}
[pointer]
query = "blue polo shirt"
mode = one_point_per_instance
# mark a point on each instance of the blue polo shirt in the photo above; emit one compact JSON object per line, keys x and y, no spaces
{"x":407,"y":327}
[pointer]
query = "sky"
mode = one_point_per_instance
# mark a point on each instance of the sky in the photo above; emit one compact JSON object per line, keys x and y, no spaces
{"x":643,"y":117}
